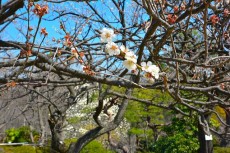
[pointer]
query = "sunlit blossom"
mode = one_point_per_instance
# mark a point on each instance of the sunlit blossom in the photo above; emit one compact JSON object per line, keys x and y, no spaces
{"x":154,"y":70}
{"x":129,"y":64}
{"x":150,"y":68}
{"x":124,"y":49}
{"x":145,"y":65}
{"x":107,"y":35}
{"x":74,"y":52}
{"x":112,"y":49}
{"x":131,"y":60}
{"x":40,"y":10}
{"x":131,"y":56}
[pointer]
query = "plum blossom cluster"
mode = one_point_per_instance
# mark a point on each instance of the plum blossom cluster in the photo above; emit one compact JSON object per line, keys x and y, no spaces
{"x":67,"y":41}
{"x":172,"y":18}
{"x":40,"y":10}
{"x":27,"y":52}
{"x":151,"y":72}
{"x":44,"y":32}
{"x":214,"y":19}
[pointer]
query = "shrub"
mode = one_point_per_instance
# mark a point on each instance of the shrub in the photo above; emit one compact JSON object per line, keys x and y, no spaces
{"x":21,"y":134}
{"x":221,"y":150}
{"x":181,"y":137}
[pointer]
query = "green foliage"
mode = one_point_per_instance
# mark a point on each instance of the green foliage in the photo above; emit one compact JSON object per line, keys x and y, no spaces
{"x":43,"y":149}
{"x":154,"y":95}
{"x":214,"y":122}
{"x":216,"y":141}
{"x":73,"y":120}
{"x":181,"y":137}
{"x":181,"y":134}
{"x":69,"y":141}
{"x":199,"y":96}
{"x":12,"y":135}
{"x":24,"y":149}
{"x":91,"y":147}
{"x":94,"y":96}
{"x":178,"y":143}
{"x":221,"y":150}
{"x":139,"y":131}
{"x":137,"y":112}
{"x":21,"y":134}
{"x":95,"y":146}
{"x":136,"y":131}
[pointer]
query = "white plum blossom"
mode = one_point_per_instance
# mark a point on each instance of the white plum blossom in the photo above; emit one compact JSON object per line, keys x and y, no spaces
{"x":131,"y":56}
{"x":149,"y":77}
{"x":154,"y":70}
{"x":149,"y":68}
{"x":129,"y":65}
{"x":107,"y":35}
{"x":112,"y":49}
{"x":131,"y":60}
{"x":145,"y":66}
{"x":124,"y":49}
{"x":74,"y":52}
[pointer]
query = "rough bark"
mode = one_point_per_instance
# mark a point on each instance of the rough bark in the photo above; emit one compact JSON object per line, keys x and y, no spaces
{"x":119,"y":147}
{"x":9,"y":9}
{"x":132,"y":143}
{"x":206,"y":146}
{"x":84,"y":140}
{"x":42,"y":126}
{"x":56,"y":126}
{"x":98,"y":131}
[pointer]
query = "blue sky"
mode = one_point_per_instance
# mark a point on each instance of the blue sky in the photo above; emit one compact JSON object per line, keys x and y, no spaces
{"x":11,"y":32}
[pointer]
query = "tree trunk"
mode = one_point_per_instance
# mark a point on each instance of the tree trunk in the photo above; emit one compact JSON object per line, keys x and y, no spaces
{"x":31,"y":134}
{"x":98,"y":131}
{"x":84,"y":140}
{"x":225,"y":142}
{"x":57,"y":134}
{"x":42,"y":126}
{"x":206,"y":146}
{"x":132,"y":143}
